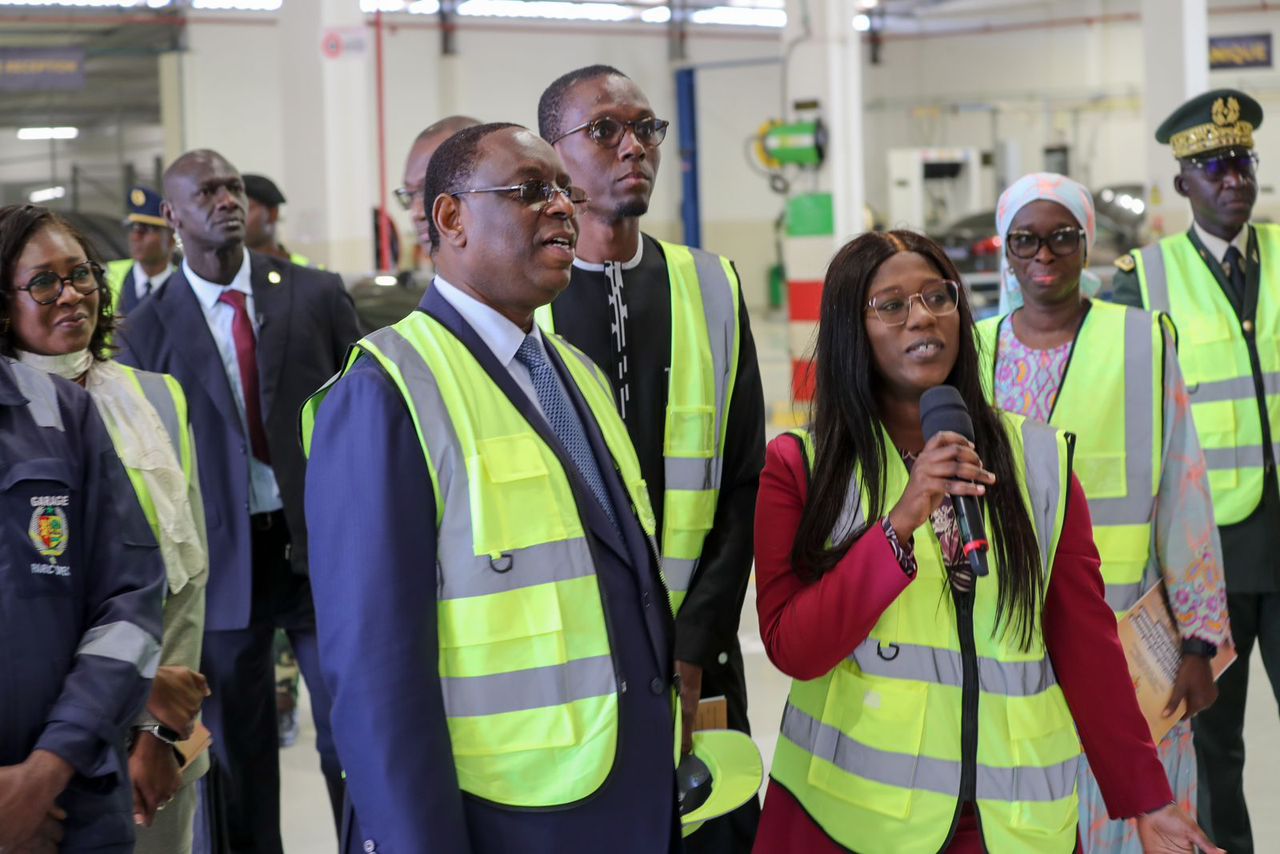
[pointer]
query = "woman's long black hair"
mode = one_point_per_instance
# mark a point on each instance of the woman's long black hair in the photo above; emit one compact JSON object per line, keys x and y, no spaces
{"x":847,"y":431}
{"x":20,"y":223}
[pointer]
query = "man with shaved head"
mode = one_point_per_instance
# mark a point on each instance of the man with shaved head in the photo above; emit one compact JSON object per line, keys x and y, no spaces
{"x":424,"y":145}
{"x":249,"y":336}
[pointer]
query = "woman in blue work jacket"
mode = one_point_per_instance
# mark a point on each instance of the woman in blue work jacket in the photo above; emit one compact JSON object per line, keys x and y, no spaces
{"x":81,"y":592}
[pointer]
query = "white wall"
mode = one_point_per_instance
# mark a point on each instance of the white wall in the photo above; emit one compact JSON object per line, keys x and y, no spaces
{"x":1075,"y":84}
{"x":232,"y":96}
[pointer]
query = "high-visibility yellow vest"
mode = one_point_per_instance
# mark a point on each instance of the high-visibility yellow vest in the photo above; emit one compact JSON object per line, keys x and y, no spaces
{"x":704,"y":368}
{"x":117,"y":272}
{"x":302,"y":260}
{"x":165,"y":395}
{"x":873,"y":750}
{"x":1216,"y":364}
{"x":530,"y":690}
{"x":1112,"y":399}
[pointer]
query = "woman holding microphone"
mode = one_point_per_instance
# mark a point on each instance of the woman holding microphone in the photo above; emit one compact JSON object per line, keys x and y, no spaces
{"x":932,"y":710}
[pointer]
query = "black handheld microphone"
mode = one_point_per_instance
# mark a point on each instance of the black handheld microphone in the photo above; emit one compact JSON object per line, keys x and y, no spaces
{"x":942,"y":408}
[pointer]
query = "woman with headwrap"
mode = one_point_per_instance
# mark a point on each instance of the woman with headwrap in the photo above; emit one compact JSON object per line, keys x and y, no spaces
{"x":1109,"y":374}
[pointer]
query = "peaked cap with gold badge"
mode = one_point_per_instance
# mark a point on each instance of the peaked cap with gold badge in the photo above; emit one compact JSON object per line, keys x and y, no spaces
{"x":1221,"y":119}
{"x":143,"y":206}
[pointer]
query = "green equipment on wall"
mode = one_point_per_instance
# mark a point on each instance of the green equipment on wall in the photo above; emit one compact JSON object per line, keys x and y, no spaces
{"x":800,"y":143}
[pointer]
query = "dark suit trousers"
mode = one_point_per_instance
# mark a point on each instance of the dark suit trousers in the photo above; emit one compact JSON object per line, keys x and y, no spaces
{"x":1219,"y":730}
{"x":241,"y":712}
{"x":734,"y":833}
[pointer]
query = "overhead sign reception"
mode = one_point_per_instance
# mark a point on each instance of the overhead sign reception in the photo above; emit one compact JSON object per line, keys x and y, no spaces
{"x":24,"y":69}
{"x":1251,"y":51}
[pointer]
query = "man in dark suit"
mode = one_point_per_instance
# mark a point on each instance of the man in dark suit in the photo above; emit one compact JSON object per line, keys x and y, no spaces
{"x":1220,"y":282}
{"x":249,"y":337}
{"x":501,"y":662}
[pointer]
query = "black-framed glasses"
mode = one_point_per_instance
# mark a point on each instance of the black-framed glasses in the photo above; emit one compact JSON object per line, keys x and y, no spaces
{"x":938,"y":298}
{"x":535,"y":191}
{"x":405,"y":196}
{"x":45,"y":288}
{"x":1061,"y":242}
{"x":1243,"y":163}
{"x":607,"y":131}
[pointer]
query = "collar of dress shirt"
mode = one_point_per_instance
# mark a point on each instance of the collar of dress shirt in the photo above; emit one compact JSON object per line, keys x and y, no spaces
{"x":626,"y":265}
{"x":209,"y":292}
{"x":501,"y":335}
{"x":140,"y":275}
{"x":1218,"y":247}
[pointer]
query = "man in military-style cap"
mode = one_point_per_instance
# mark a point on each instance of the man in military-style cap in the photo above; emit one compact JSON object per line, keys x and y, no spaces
{"x":265,"y":200}
{"x":1220,"y":282}
{"x":151,"y":245}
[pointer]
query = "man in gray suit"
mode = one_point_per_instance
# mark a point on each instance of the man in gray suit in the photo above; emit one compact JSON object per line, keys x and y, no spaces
{"x":249,"y":337}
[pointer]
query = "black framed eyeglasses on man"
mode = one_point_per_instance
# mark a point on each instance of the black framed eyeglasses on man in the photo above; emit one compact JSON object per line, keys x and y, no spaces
{"x":534,"y":192}
{"x":1061,"y":242}
{"x":607,"y":131}
{"x":46,"y":288}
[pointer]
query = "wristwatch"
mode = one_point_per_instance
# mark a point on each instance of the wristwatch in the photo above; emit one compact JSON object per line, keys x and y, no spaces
{"x":160,"y":731}
{"x":1197,"y":646}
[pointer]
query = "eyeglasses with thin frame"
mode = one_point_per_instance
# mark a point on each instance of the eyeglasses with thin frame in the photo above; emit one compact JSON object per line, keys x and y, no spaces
{"x":46,"y":288}
{"x":534,"y":192}
{"x":405,"y":196}
{"x":938,"y":298}
{"x":1061,"y":242}
{"x":1243,"y":163}
{"x":607,"y":132}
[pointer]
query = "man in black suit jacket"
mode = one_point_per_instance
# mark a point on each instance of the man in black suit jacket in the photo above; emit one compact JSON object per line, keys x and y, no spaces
{"x":249,"y":337}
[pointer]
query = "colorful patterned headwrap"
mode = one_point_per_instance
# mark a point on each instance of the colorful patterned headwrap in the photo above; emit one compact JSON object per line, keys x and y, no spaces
{"x":1073,"y":196}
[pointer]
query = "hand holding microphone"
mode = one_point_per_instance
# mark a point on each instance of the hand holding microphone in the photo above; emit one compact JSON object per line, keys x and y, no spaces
{"x":948,"y":465}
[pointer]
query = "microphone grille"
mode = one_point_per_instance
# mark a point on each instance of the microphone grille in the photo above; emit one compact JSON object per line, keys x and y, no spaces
{"x":942,"y":408}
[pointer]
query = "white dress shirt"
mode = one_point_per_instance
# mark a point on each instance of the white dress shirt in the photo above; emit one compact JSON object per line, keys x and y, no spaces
{"x":264,"y":492}
{"x":1218,"y":247}
{"x":501,"y":335}
{"x":140,"y":279}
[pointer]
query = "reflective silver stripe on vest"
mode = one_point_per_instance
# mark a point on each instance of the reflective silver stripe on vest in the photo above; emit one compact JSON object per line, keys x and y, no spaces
{"x":689,"y":474}
{"x":1122,"y":597}
{"x":1138,"y":503}
{"x":463,"y":573}
{"x":536,"y":688}
{"x":42,"y":397}
{"x":156,"y":391}
{"x":1040,"y":453}
{"x":125,"y":642}
{"x":678,"y":572}
{"x":906,"y":771}
{"x":946,"y":667}
{"x":851,"y":517}
{"x":719,"y":315}
{"x":1236,"y":388}
{"x":1153,"y":271}
{"x":1239,"y":457}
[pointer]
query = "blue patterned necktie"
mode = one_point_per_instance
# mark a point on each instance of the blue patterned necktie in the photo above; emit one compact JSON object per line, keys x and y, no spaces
{"x":564,"y":420}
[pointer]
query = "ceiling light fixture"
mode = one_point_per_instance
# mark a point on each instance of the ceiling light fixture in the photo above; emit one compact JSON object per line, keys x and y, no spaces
{"x":48,"y":133}
{"x":48,"y":194}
